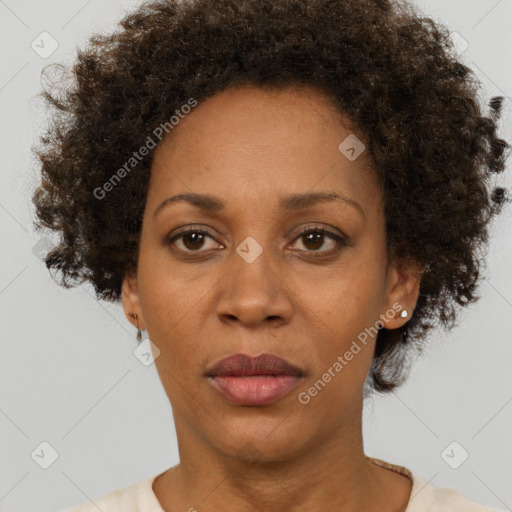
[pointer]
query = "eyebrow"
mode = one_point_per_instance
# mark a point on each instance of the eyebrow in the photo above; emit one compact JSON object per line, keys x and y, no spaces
{"x":290,"y":203}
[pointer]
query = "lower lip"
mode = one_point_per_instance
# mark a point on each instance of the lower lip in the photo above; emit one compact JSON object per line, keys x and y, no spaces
{"x":256,"y":389}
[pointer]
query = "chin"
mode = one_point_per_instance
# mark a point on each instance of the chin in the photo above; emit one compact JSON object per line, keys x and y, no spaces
{"x":264,"y":440}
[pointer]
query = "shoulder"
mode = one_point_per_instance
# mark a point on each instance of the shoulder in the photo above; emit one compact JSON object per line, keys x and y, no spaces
{"x":135,"y":497}
{"x":427,"y":498}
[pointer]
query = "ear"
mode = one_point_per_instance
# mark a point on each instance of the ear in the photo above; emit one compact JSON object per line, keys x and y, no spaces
{"x":131,"y":301}
{"x":404,"y":277}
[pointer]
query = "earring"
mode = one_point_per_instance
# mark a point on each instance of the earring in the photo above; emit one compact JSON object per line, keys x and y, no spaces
{"x":139,"y":334}
{"x":403,"y":330}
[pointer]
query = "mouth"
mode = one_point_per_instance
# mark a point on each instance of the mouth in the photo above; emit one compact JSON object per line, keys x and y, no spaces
{"x":254,"y":381}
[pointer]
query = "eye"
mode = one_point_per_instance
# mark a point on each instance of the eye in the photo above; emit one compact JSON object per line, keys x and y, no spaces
{"x":191,"y":239}
{"x":314,"y":238}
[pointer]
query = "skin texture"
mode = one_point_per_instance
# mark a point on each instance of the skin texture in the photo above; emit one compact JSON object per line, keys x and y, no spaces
{"x":250,"y":148}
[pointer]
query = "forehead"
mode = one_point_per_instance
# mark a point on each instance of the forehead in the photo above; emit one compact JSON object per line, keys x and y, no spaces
{"x":257,"y":144}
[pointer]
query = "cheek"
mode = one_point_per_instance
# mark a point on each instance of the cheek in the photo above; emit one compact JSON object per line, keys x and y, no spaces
{"x":174,"y":306}
{"x":350,"y":340}
{"x":349,"y":310}
{"x":350,"y":297}
{"x":344,"y":356}
{"x":166,"y":295}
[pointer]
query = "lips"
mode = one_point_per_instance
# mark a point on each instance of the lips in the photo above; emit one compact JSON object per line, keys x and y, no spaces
{"x":254,"y":381}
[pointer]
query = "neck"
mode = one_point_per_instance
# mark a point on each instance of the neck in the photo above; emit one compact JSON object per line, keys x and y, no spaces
{"x":333,"y":474}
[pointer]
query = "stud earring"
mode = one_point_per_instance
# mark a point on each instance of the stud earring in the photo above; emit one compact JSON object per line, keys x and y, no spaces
{"x":403,"y":330}
{"x":139,"y":334}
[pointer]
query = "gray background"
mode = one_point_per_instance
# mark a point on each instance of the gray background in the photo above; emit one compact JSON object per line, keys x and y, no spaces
{"x":68,"y":374}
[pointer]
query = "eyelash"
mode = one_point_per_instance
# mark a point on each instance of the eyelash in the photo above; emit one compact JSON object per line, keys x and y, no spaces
{"x":341,"y":240}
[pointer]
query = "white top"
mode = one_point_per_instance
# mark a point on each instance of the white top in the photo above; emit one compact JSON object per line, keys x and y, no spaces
{"x":139,"y":497}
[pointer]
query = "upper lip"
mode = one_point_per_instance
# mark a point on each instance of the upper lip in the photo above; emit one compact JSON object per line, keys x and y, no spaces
{"x":242,"y":365}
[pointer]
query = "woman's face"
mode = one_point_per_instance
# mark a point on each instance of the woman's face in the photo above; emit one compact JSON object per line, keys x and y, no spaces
{"x":245,"y":281}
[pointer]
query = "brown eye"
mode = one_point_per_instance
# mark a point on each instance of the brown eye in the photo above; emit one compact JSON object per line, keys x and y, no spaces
{"x":313,"y":239}
{"x":192,"y":240}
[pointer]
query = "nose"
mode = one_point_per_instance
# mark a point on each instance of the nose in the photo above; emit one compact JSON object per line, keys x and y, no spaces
{"x":255,"y":294}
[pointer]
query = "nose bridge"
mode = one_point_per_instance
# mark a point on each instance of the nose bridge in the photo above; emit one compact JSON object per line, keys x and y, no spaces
{"x":254,"y":290}
{"x":252,"y":271}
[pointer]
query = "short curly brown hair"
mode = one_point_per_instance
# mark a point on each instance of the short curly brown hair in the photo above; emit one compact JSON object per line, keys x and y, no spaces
{"x":391,"y":71}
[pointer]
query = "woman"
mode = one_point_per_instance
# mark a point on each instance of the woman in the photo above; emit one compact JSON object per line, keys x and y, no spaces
{"x":287,"y":195}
